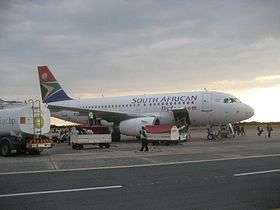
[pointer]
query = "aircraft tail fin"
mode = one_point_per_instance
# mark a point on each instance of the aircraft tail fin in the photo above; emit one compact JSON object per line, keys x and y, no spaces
{"x":51,"y":90}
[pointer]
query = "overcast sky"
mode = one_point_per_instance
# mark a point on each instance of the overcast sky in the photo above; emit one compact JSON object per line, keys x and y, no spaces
{"x":122,"y":47}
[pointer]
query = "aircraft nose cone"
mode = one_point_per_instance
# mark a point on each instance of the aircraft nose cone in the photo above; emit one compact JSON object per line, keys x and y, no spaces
{"x":249,"y":112}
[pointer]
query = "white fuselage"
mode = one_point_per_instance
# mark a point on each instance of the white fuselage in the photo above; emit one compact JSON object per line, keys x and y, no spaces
{"x":204,"y":107}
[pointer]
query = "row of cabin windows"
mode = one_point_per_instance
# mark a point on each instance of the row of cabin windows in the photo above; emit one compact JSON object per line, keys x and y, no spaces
{"x":134,"y":105}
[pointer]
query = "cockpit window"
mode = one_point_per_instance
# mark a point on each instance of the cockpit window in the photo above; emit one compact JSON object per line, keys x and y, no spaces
{"x":231,"y":100}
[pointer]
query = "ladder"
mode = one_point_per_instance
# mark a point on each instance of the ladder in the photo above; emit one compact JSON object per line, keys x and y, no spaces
{"x":37,"y":118}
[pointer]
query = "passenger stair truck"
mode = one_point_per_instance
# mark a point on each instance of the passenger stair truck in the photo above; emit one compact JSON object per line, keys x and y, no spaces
{"x":165,"y":134}
{"x":22,"y":128}
{"x":90,"y":135}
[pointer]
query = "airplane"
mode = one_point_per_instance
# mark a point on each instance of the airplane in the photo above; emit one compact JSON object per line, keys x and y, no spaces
{"x":128,"y":114}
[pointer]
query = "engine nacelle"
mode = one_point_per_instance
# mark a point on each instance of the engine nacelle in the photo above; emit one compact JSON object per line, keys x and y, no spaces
{"x":131,"y":127}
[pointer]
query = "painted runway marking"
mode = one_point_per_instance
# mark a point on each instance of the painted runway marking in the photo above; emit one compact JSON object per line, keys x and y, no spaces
{"x":60,"y":191}
{"x":140,"y":165}
{"x":257,"y":172}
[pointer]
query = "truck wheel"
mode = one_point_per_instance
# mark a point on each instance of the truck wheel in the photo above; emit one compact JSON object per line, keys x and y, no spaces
{"x":80,"y":146}
{"x":210,"y":137}
{"x":5,"y":148}
{"x":107,"y":145}
{"x":100,"y":145}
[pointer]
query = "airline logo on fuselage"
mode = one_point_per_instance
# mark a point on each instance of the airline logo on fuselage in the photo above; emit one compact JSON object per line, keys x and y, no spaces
{"x":164,"y":99}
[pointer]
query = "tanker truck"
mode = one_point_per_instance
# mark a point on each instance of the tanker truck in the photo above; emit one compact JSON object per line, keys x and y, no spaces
{"x":22,"y":128}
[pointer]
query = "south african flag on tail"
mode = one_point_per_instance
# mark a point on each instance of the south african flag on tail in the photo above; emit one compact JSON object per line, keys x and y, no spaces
{"x":51,"y":90}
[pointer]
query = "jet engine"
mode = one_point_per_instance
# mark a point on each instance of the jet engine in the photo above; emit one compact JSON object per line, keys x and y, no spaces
{"x":131,"y":127}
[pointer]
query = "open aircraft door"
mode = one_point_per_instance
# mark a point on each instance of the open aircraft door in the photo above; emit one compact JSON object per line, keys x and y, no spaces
{"x":207,"y":102}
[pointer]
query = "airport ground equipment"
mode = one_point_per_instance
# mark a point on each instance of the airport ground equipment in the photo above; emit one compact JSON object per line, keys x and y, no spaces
{"x":90,"y":135}
{"x":22,"y":128}
{"x":227,"y":131}
{"x":166,"y":134}
{"x":213,"y":134}
{"x":223,"y":131}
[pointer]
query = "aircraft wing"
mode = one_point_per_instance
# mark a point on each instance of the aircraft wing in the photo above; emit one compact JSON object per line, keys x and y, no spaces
{"x":110,"y":116}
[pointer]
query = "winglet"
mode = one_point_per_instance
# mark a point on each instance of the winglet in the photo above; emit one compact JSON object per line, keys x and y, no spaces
{"x":51,"y":90}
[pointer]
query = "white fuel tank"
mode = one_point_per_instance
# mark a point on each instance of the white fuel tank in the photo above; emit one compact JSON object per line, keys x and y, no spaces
{"x":26,"y":119}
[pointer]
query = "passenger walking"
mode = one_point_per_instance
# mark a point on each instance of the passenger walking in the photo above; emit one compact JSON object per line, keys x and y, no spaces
{"x":242,"y":130}
{"x":238,"y":129}
{"x":269,"y":129}
{"x":143,"y":137}
{"x":260,"y":130}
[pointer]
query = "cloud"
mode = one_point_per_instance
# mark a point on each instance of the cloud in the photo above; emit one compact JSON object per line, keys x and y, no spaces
{"x":270,"y":78}
{"x":240,"y":85}
{"x":127,"y":47}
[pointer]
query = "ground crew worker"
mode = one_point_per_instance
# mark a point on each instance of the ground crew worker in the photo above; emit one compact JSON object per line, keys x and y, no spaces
{"x":143,"y":137}
{"x":269,"y":129}
{"x":90,"y":118}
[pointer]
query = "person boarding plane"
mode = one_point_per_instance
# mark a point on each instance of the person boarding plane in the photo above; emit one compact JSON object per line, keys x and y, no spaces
{"x":128,"y":114}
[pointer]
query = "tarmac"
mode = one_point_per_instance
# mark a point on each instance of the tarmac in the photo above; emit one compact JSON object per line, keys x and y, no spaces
{"x":126,"y":153}
{"x":233,"y":173}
